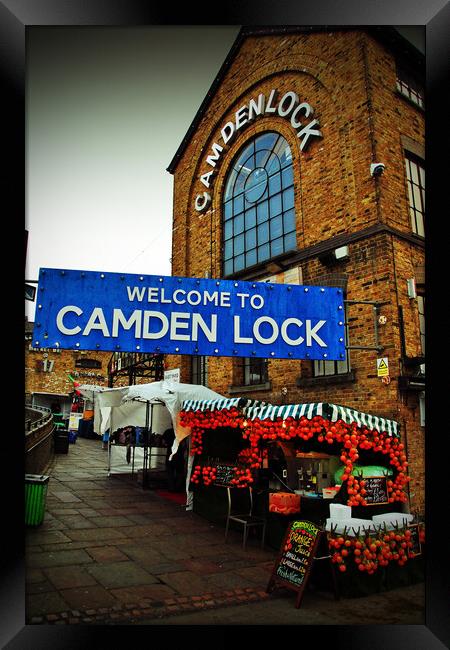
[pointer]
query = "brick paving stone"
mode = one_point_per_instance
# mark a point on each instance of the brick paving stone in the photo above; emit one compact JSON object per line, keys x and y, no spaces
{"x":34,"y":575}
{"x":74,"y":522}
{"x":103,"y":554}
{"x":145,"y":555}
{"x":92,"y":596}
{"x":67,"y":497}
{"x":112,"y":522}
{"x":150,"y":531}
{"x":46,"y":537}
{"x":121,"y":574}
{"x":69,"y":576}
{"x":57,"y":558}
{"x":40,"y":587}
{"x":42,"y":604}
{"x":228,"y":580}
{"x":258,"y":575}
{"x":184,"y":583}
{"x":202,"y":567}
{"x":96,"y":534}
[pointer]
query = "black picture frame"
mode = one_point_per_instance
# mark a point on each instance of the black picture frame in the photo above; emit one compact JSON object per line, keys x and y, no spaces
{"x":15,"y":17}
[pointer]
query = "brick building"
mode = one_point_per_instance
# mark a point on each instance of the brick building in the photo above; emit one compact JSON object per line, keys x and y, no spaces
{"x":305,"y":164}
{"x":47,"y":371}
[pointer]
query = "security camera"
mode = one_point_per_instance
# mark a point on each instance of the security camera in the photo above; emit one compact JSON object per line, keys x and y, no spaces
{"x":376,"y":169}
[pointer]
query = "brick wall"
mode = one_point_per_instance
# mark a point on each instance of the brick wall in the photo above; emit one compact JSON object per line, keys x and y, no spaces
{"x":349,"y":79}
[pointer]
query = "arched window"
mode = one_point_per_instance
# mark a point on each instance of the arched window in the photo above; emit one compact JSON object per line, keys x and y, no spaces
{"x":258,"y":204}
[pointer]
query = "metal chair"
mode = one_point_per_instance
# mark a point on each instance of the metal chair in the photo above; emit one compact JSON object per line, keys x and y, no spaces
{"x":246,"y":519}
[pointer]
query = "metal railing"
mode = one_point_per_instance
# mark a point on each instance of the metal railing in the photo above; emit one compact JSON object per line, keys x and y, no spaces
{"x":32,"y":425}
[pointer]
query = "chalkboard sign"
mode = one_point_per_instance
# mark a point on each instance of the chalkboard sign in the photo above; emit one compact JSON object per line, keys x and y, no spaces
{"x":416,"y":548}
{"x":224,"y":474}
{"x":293,"y":566}
{"x":376,"y":490}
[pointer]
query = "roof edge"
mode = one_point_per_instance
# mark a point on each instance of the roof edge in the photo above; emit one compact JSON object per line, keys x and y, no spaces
{"x":388,"y":36}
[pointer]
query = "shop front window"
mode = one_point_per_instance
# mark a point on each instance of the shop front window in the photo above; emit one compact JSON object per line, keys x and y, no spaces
{"x":258,"y":204}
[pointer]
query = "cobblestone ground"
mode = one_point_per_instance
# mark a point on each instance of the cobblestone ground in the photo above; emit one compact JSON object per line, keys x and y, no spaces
{"x":109,"y":552}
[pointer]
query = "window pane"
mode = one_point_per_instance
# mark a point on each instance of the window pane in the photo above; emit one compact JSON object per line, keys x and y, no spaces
{"x":250,"y":218}
{"x":263,"y":253}
{"x":238,"y":204}
{"x":230,"y":184}
{"x":290,"y":242}
{"x":289,"y":221}
{"x":239,"y":224}
{"x":318,"y":368}
{"x":275,"y":205}
{"x":265,"y":141}
{"x":276,"y":227}
{"x":228,"y":267}
{"x":250,"y":238}
{"x":262,"y":211}
{"x":262,"y":157}
{"x":272,"y":165}
{"x":420,"y":225}
{"x":288,"y":199}
{"x":263,"y":233}
{"x":246,"y":153}
{"x":239,"y":263}
{"x":287,"y":176}
{"x":228,"y":229}
{"x":274,"y":184}
{"x":228,"y":250}
{"x":228,"y":211}
{"x":276,"y":247}
{"x":414,"y":173}
{"x":250,"y":258}
{"x":239,"y":245}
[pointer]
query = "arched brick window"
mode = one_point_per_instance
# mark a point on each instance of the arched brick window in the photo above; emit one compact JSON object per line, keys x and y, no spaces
{"x":258,"y":204}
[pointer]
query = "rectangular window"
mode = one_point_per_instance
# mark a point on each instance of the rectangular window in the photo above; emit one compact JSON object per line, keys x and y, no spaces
{"x":410,"y":87}
{"x":415,"y":176}
{"x":255,"y":371}
{"x":199,"y":371}
{"x":330,"y":368}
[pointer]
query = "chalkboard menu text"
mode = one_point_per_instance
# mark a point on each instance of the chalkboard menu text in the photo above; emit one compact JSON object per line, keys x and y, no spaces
{"x":224,"y":474}
{"x":376,"y":490}
{"x":293,"y":566}
{"x":416,"y":548}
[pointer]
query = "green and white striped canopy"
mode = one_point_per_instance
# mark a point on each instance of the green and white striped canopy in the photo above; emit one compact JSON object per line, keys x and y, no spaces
{"x":350,"y":415}
{"x":264,"y":411}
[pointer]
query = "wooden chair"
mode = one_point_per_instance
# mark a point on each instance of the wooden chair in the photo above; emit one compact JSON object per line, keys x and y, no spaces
{"x":246,"y":518}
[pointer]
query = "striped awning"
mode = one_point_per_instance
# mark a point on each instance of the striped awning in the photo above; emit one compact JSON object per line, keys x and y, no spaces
{"x":350,"y":415}
{"x":216,"y":405}
{"x":264,"y":411}
{"x":268,"y":411}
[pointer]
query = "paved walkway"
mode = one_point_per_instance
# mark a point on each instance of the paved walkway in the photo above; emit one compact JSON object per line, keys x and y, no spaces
{"x":109,"y":552}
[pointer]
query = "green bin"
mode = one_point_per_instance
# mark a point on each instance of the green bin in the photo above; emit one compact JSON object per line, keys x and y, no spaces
{"x":35,"y":495}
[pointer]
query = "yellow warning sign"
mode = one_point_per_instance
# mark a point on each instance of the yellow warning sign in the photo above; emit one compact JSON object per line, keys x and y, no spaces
{"x":382,"y":367}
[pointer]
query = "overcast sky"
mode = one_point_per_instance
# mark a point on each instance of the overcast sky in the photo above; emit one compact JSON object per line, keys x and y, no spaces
{"x":106,"y":111}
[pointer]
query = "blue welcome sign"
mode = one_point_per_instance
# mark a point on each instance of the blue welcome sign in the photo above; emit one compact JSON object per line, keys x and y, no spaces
{"x":87,"y":310}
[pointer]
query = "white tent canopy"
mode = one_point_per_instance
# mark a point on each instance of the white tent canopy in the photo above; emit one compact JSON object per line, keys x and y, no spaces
{"x":130,"y":404}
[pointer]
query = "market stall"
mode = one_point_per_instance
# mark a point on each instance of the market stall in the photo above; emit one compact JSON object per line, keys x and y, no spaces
{"x":136,"y":418}
{"x":340,"y":468}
